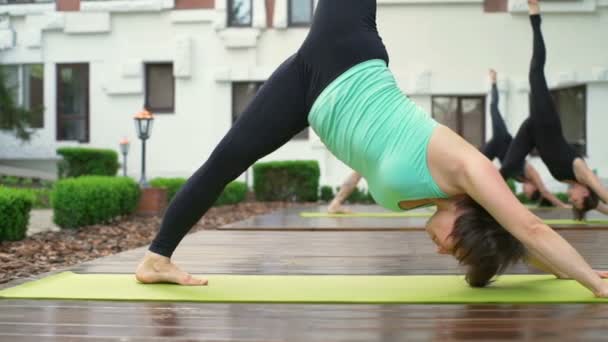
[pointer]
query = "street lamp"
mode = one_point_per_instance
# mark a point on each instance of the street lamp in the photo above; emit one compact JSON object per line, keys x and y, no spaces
{"x":124,"y":149}
{"x":143,"y":126}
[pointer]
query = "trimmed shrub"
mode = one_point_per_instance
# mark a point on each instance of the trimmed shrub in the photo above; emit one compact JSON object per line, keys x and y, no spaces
{"x":296,"y":181}
{"x":235,"y":192}
{"x":41,"y":197}
{"x":15,"y":206}
{"x":360,"y":196}
{"x":511,"y":184}
{"x":88,"y":200}
{"x":327,"y":193}
{"x":171,"y":184}
{"x":79,"y":161}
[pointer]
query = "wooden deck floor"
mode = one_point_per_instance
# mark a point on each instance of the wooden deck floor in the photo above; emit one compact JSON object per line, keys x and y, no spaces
{"x":290,"y":219}
{"x":299,"y":252}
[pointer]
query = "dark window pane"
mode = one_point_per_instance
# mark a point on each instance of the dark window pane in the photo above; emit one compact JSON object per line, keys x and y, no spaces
{"x":571,"y":104}
{"x":160,"y":88}
{"x":445,"y":111}
{"x":300,"y":12}
{"x":472,"y":121}
{"x":462,"y":114}
{"x":73,"y":129}
{"x":239,"y":13}
{"x":243,"y":93}
{"x":33,"y":77}
{"x":73,"y":102}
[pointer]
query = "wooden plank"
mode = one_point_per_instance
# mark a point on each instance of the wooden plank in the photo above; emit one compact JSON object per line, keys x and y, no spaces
{"x":291,"y":220}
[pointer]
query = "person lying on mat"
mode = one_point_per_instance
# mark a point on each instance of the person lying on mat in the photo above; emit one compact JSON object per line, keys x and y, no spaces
{"x":340,"y":84}
{"x":533,"y":185}
{"x":543,"y":130}
{"x":350,"y":184}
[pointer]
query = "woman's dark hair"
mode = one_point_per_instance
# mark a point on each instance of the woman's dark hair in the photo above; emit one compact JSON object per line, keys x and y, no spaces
{"x":589,"y":203}
{"x":482,"y":244}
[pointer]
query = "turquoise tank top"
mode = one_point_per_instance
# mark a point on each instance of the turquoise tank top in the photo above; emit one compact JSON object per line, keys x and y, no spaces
{"x":369,"y":124}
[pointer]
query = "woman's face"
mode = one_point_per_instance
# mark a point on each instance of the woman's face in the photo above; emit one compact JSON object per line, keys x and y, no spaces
{"x":577,"y":194}
{"x":440,"y":227}
{"x":529,"y":189}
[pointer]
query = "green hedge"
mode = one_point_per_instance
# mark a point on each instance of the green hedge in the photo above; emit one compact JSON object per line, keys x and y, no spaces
{"x":360,"y":196}
{"x":327,"y":193}
{"x":90,"y":200}
{"x":15,"y":206}
{"x":171,"y":184}
{"x":562,"y":196}
{"x":287,"y":181}
{"x":235,"y":192}
{"x":87,"y":161}
{"x":511,"y":185}
{"x":41,"y":196}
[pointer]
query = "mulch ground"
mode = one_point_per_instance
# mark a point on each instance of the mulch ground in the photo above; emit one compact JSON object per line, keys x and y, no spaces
{"x":49,"y":251}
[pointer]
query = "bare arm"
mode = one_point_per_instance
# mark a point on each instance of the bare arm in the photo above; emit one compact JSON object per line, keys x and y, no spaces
{"x":346,"y":189}
{"x":584,"y":175}
{"x":536,"y":262}
{"x":602,"y":208}
{"x":484,"y":184}
{"x":535,"y":178}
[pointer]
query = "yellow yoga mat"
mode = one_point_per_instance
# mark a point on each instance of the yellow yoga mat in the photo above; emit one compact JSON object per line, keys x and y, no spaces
{"x":418,"y":289}
{"x":367,"y":214}
{"x":422,"y":215}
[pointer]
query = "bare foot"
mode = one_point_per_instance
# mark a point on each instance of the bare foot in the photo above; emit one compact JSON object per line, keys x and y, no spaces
{"x":155,"y":268}
{"x":338,"y":209}
{"x":533,"y":7}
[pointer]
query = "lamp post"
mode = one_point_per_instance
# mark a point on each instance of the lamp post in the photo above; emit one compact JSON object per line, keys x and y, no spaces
{"x":124,"y":149}
{"x":143,"y":126}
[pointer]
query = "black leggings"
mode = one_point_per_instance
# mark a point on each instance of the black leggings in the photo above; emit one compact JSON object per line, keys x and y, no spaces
{"x":498,"y":146}
{"x":543,"y":128}
{"x":342,"y":35}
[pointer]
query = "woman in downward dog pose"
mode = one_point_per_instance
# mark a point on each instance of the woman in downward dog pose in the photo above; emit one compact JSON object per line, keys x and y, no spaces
{"x":497,"y":147}
{"x":543,"y":130}
{"x":339,"y":82}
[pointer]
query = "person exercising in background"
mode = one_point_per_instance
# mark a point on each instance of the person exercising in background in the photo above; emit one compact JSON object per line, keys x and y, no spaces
{"x":497,"y":147}
{"x":350,"y":184}
{"x":543,"y":130}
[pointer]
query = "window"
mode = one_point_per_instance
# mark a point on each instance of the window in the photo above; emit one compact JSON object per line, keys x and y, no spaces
{"x":240,"y":13}
{"x":160,"y":88}
{"x":243,"y":93}
{"x":26,"y":84}
{"x":571,"y":104}
{"x":73,"y":102}
{"x":300,"y":12}
{"x":465,"y":115}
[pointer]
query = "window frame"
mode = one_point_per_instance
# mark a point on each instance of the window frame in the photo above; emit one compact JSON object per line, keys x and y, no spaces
{"x":459,"y":113}
{"x":303,"y":135}
{"x":291,"y":23}
{"x":159,"y":110}
{"x":87,"y":116}
{"x":229,"y":20}
{"x":554,"y":92}
{"x":21,"y":100}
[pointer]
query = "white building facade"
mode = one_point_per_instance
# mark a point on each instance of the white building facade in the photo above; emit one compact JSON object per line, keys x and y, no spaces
{"x":94,"y":64}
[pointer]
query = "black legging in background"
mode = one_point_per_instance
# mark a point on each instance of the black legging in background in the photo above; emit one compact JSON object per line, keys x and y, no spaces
{"x":498,"y":146}
{"x":543,"y":128}
{"x":343,"y":34}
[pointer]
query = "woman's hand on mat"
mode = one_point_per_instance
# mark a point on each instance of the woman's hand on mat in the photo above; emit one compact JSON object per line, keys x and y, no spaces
{"x":602,"y":274}
{"x":155,"y":268}
{"x":603,"y":292}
